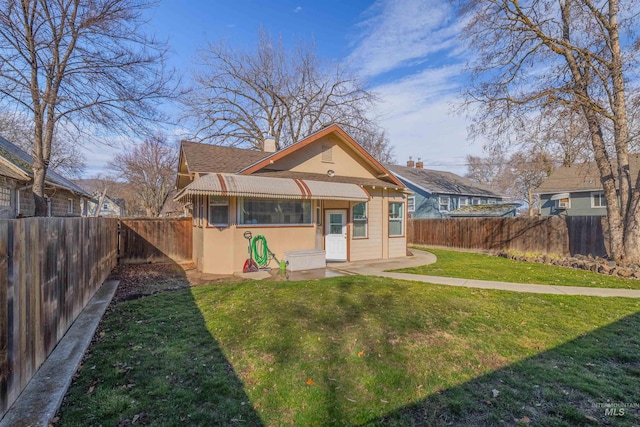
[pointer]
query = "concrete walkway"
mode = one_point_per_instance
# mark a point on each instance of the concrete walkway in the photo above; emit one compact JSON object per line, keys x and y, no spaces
{"x":378,"y":268}
{"x":40,"y":400}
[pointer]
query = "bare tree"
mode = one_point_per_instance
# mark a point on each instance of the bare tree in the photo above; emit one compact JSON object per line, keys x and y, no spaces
{"x":150,"y":169}
{"x":81,"y":64}
{"x":535,"y":54}
{"x":66,"y":156}
{"x":239,"y":97}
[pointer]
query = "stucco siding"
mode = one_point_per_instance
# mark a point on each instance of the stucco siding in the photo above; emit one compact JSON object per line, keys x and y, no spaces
{"x":338,"y":156}
{"x":371,"y":247}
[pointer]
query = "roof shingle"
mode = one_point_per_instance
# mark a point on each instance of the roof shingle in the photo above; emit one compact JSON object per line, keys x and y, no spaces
{"x":442,"y":182}
{"x":582,"y":177}
{"x":207,"y":158}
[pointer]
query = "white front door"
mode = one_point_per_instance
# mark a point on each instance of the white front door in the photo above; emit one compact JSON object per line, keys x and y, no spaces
{"x":335,"y":234}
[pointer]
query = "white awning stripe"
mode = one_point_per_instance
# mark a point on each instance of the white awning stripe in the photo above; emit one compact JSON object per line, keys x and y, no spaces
{"x":560,"y":196}
{"x":220,"y":184}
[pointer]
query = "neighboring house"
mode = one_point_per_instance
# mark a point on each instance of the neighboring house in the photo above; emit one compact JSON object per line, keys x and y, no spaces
{"x":324,"y":196}
{"x":173,"y":209}
{"x":110,"y":206}
{"x":64,"y":198}
{"x":576,"y":190}
{"x":438,"y":194}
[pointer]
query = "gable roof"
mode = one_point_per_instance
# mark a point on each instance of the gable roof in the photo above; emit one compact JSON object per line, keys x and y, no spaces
{"x":582,"y":177}
{"x":22,"y":163}
{"x":335,"y":129}
{"x":433,"y":181}
{"x":208,"y":158}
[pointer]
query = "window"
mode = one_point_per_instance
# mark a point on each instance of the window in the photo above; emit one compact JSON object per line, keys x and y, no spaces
{"x":218,"y":211}
{"x":564,"y":203}
{"x":105,"y":206}
{"x":463,"y":201}
{"x":275,"y":212}
{"x":83,"y":207}
{"x":475,"y":201}
{"x":396,"y":219}
{"x":70,"y":206}
{"x":5,"y":196}
{"x":598,"y":200}
{"x":359,"y":218}
{"x":443,"y":202}
{"x":411,"y":203}
{"x":491,"y":201}
{"x":201,"y":212}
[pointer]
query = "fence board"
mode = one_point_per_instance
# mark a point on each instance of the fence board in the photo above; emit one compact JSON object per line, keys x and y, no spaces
{"x":551,"y":235}
{"x":155,"y":240}
{"x":49,"y":269}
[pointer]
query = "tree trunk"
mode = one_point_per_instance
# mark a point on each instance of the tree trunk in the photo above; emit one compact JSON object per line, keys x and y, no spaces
{"x":530,"y":200}
{"x":39,"y":173}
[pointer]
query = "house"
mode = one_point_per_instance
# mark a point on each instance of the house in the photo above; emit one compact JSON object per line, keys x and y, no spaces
{"x":173,"y":209}
{"x":64,"y":198}
{"x":109,"y":206}
{"x":438,"y":194}
{"x":324,"y":196}
{"x":489,"y":210}
{"x":576,"y":190}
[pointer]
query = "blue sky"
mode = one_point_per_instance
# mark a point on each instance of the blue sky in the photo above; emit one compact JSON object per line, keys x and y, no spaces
{"x":406,"y":49}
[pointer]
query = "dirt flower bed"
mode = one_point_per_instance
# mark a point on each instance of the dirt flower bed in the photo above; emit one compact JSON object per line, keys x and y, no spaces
{"x":581,"y":262}
{"x":139,"y":280}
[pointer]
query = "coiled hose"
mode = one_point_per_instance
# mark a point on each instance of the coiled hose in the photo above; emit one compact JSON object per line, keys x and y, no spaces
{"x":260,"y":250}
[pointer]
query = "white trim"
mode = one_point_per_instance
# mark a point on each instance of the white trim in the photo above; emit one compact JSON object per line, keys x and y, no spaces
{"x":600,"y":193}
{"x":365,"y":220}
{"x":411,"y":200}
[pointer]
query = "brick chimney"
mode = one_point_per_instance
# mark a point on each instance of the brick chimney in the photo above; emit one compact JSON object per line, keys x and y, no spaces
{"x":419,"y":164}
{"x":269,"y":144}
{"x":410,"y":163}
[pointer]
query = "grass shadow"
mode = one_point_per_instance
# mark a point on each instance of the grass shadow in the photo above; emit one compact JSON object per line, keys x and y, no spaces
{"x":586,"y":381}
{"x":154,"y":362}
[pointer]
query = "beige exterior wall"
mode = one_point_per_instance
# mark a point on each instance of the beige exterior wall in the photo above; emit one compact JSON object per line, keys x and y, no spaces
{"x":344,"y":160}
{"x":224,"y":250}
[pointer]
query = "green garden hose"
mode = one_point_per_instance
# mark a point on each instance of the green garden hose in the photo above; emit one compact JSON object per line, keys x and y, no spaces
{"x":260,"y":250}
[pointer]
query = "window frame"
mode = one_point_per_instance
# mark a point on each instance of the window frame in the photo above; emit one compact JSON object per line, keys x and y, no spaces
{"x":601,"y":197}
{"x":241,"y":204}
{"x":364,"y":220}
{"x":70,"y":205}
{"x":568,"y":199}
{"x":440,"y":204}
{"x":5,"y":196}
{"x":411,"y":204}
{"x":401,"y":219}
{"x":220,"y":202}
{"x":460,"y":201}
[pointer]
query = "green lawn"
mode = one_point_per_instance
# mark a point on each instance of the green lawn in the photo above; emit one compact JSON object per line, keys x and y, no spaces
{"x":359,"y":351}
{"x":468,"y":265}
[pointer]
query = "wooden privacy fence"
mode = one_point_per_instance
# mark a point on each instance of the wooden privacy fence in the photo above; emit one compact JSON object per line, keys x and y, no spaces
{"x":155,"y":240}
{"x":49,"y":270}
{"x":552,"y":235}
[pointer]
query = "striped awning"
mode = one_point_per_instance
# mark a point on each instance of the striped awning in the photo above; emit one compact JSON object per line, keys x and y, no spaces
{"x":560,"y":196}
{"x":222,"y":184}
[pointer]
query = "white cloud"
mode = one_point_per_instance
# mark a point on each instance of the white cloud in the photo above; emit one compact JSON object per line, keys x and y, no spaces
{"x":417,"y":114}
{"x":297,"y":9}
{"x":398,"y":33}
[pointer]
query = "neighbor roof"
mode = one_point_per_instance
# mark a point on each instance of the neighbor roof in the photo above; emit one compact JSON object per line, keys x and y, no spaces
{"x":24,"y":161}
{"x":581,"y":177}
{"x":207,"y":158}
{"x":440,"y":182}
{"x":498,"y":209}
